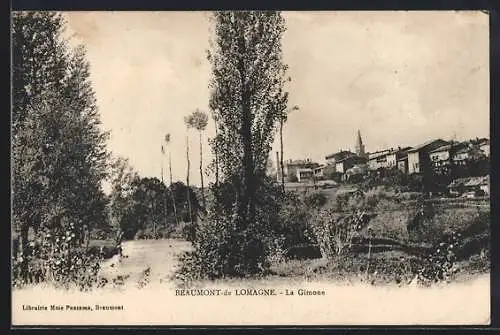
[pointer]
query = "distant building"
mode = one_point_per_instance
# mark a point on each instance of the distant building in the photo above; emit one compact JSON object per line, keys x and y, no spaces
{"x":484,"y":146}
{"x":441,"y":157}
{"x":291,"y":167}
{"x":402,"y":162}
{"x":356,"y":172}
{"x":466,"y":153}
{"x":345,"y":164}
{"x":305,"y":174}
{"x":418,"y":157}
{"x":378,"y":159}
{"x":319,"y":172}
{"x":338,"y":156}
{"x":324,"y":171}
{"x":479,"y":185}
{"x":395,"y":155}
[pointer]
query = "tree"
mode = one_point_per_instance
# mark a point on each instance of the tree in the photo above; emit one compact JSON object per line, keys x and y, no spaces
{"x":248,"y":100}
{"x":58,"y":148}
{"x":168,"y":138}
{"x":181,"y":192}
{"x":188,"y":126}
{"x":283,"y":119}
{"x":38,"y":64}
{"x":148,"y":205}
{"x":199,"y":121}
{"x":216,"y":158}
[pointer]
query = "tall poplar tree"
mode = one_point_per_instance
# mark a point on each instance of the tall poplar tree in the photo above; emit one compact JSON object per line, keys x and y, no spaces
{"x":248,"y":99}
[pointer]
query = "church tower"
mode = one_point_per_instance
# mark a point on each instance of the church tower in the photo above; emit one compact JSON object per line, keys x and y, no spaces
{"x":360,"y":147}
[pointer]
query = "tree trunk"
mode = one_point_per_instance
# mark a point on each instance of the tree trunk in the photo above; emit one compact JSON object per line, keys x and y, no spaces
{"x":282,"y":167}
{"x":170,"y":188}
{"x":216,"y":158}
{"x":164,"y":195}
{"x":187,"y":180}
{"x":247,"y":206}
{"x":24,"y":250}
{"x":248,"y":199}
{"x":201,"y":176}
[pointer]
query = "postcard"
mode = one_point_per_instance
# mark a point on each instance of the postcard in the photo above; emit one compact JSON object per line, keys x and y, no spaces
{"x":250,"y":168}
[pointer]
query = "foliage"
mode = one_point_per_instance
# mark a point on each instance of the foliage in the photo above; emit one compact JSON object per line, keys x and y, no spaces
{"x":335,"y":232}
{"x":58,"y":149}
{"x":141,"y":206}
{"x":56,"y":256}
{"x":247,"y":98}
{"x":247,"y":101}
{"x":439,"y":264}
{"x":316,"y":200}
{"x":199,"y":121}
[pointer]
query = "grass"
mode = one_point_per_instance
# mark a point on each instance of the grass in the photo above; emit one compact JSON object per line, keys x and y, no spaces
{"x":353,"y":302}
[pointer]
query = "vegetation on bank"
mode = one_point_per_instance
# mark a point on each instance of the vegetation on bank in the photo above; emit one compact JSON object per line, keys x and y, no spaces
{"x":244,"y":224}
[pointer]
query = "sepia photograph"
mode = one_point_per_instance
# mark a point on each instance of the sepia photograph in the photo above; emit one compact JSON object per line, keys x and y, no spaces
{"x":186,"y":168}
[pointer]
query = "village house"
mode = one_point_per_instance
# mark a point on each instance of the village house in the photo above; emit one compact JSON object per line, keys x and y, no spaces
{"x":396,"y":155}
{"x":319,"y":172}
{"x":466,"y":153}
{"x":475,"y":185}
{"x":324,"y":171}
{"x":343,"y":165}
{"x":291,"y":168}
{"x":418,"y":157}
{"x":402,"y":162}
{"x":484,"y":146}
{"x":332,"y":159}
{"x":441,"y":157}
{"x":378,"y":160}
{"x":304,"y":174}
{"x":389,"y":159}
{"x":356,"y":172}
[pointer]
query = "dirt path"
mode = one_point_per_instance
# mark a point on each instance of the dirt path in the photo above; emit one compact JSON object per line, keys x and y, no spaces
{"x":158,"y":257}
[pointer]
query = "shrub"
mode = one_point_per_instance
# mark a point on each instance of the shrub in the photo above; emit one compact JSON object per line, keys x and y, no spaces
{"x":291,"y":224}
{"x":58,"y":258}
{"x":439,"y":264}
{"x":315,"y":200}
{"x":335,"y":232}
{"x":184,"y":230}
{"x":220,"y":250}
{"x":228,"y":250}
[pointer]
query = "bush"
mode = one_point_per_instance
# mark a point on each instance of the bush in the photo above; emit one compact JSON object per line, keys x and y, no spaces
{"x":335,"y":232}
{"x":221,"y":251}
{"x":184,"y":230}
{"x":315,"y":200}
{"x":291,"y":224}
{"x":58,"y":258}
{"x":281,"y":222}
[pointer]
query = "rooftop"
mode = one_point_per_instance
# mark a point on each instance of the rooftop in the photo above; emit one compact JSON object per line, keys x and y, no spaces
{"x":355,"y":157}
{"x":453,"y":145}
{"x":300,"y":162}
{"x":427,"y":144}
{"x":379,"y":154}
{"x":340,"y":154}
{"x":384,"y":152}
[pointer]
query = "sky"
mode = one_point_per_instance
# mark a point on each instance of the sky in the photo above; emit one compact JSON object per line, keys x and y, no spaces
{"x":401,"y":78}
